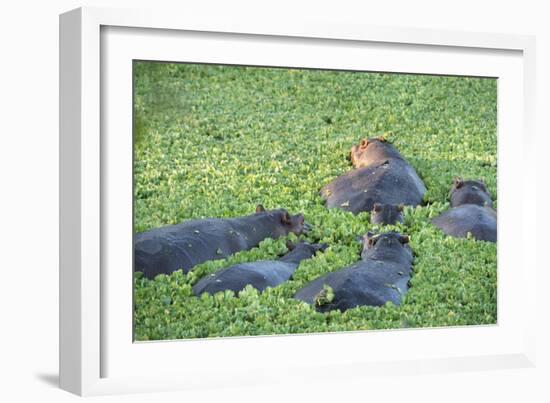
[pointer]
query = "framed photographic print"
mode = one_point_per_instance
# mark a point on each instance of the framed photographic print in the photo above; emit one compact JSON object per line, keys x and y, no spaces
{"x":245,"y":201}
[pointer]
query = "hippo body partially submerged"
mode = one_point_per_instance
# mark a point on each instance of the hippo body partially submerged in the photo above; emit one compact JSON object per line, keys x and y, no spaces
{"x":479,"y":221}
{"x":381,"y":175}
{"x":183,"y":246}
{"x":471,"y":212}
{"x":260,"y":274}
{"x":382,"y":275}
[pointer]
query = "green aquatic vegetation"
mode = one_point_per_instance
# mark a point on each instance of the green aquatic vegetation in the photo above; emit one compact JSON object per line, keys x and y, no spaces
{"x":325,"y":296}
{"x":215,"y":141}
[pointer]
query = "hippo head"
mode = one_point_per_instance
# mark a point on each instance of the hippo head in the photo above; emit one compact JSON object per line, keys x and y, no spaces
{"x":314,"y":247}
{"x":469,"y":192}
{"x":372,"y":151}
{"x":302,"y":250}
{"x":284,"y":222}
{"x":386,"y":213}
{"x":387,"y":246}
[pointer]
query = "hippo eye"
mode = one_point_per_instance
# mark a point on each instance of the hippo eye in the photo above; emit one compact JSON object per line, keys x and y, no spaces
{"x":474,"y":187}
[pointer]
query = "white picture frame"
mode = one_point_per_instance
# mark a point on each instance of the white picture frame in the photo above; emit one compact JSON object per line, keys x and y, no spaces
{"x":97,"y":354}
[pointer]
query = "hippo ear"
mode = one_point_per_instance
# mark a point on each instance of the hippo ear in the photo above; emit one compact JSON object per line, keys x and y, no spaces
{"x":290,"y":246}
{"x":457,"y":182}
{"x":259,"y":208}
{"x":286,"y":218}
{"x":404,"y":239}
{"x":377,"y":207}
{"x":400,"y":207}
{"x":382,"y":139}
{"x":363,"y":144}
{"x":368,"y":238}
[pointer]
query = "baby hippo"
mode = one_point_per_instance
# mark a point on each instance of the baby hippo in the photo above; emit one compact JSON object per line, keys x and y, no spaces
{"x":472,"y":212}
{"x":382,"y":275}
{"x":185,"y":245}
{"x":381,"y":175}
{"x":385,"y":214}
{"x":261,"y":274}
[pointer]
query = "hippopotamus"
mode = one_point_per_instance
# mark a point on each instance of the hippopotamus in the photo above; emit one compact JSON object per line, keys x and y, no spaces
{"x":386,"y":214}
{"x":381,"y":175}
{"x":469,"y":192}
{"x":382,"y":275}
{"x":260,"y":274}
{"x":187,"y":244}
{"x":472,"y":212}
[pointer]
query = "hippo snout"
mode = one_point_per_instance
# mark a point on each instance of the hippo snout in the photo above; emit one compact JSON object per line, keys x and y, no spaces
{"x":323,"y":247}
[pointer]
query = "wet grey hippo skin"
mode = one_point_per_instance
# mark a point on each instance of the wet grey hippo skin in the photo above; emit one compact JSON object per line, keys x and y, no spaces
{"x":386,"y":214}
{"x":382,"y":275}
{"x":381,"y":175}
{"x":471,"y":212}
{"x":260,"y":274}
{"x":184,"y":245}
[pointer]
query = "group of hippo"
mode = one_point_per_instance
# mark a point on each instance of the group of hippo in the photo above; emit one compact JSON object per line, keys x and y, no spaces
{"x":382,"y":182}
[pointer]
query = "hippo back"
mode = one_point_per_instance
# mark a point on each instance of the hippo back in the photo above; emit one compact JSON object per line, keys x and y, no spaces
{"x":391,"y":182}
{"x":260,"y":275}
{"x":368,"y":282}
{"x":183,"y":246}
{"x":481,"y":222}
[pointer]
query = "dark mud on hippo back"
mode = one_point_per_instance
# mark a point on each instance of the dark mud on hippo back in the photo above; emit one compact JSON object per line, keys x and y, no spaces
{"x":381,"y":175}
{"x":382,"y":275}
{"x":260,"y":274}
{"x":183,"y":246}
